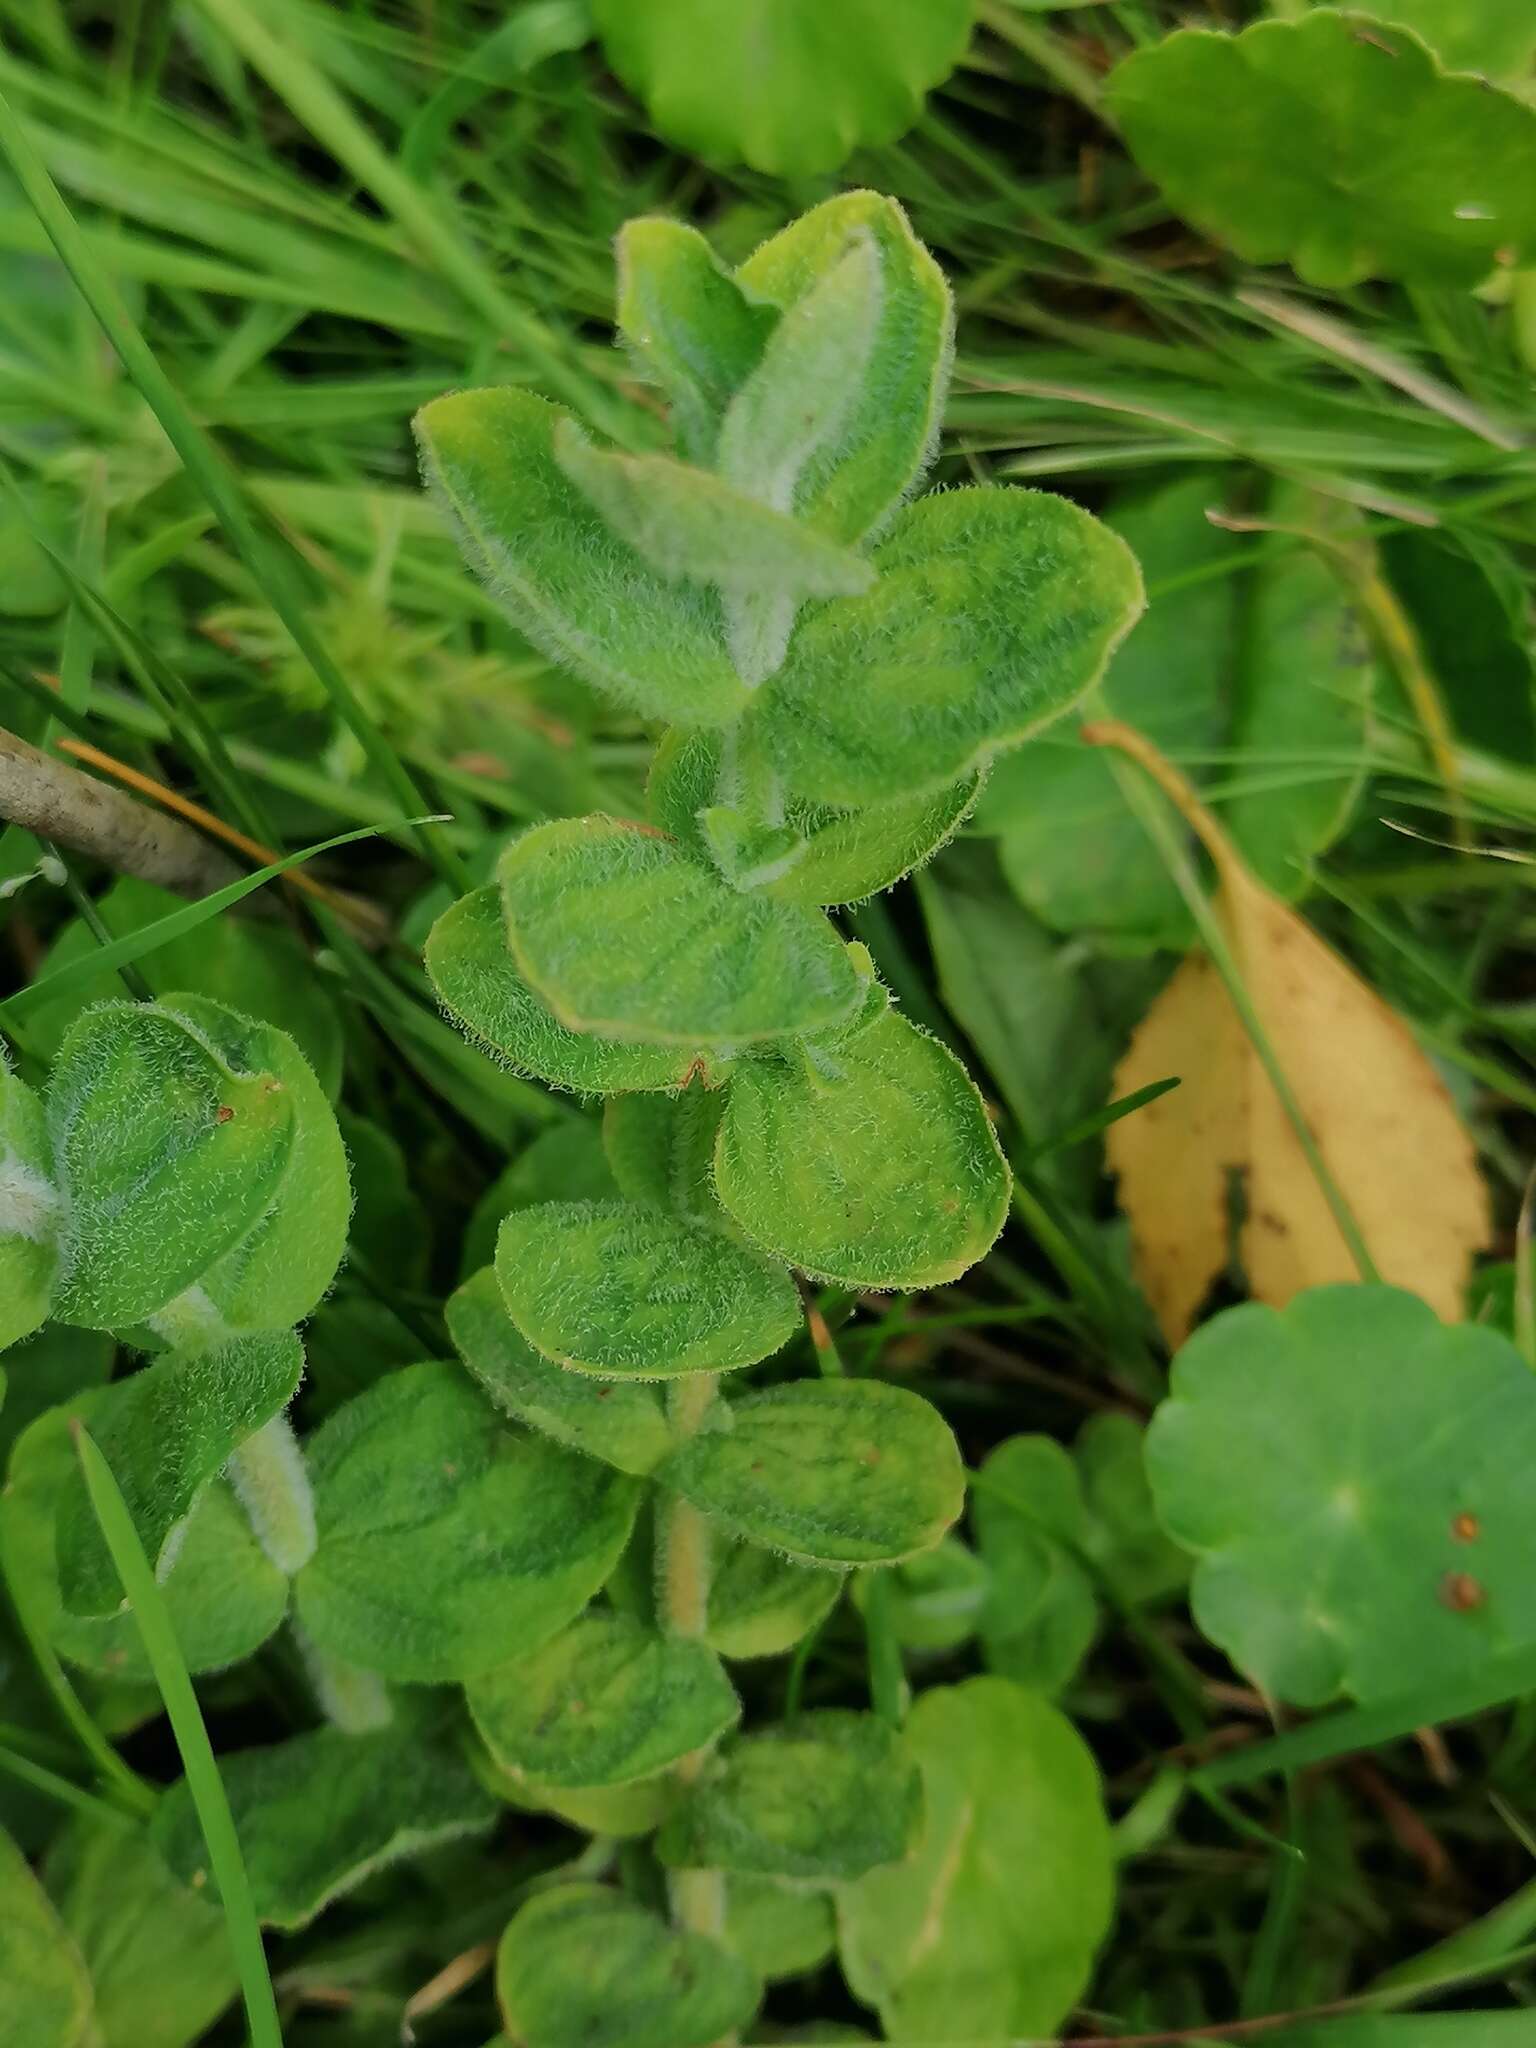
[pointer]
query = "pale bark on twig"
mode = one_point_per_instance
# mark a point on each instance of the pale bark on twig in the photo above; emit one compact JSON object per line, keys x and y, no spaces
{"x":58,"y":802}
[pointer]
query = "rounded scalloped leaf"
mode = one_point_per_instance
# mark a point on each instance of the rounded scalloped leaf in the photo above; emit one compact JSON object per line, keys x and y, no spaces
{"x":987,"y":1930}
{"x":474,"y":975}
{"x":791,"y":87}
{"x":445,"y":1542}
{"x":606,"y":1703}
{"x":996,"y":609}
{"x":566,"y":580}
{"x":1337,"y":144}
{"x":1354,"y":1478}
{"x":832,"y":1472}
{"x":625,"y":934}
{"x":820,"y":1799}
{"x":623,"y":1292}
{"x":30,"y":1211}
{"x":582,"y":1966}
{"x":167,"y":1154}
{"x":872,"y":1163}
{"x":1496,"y":37}
{"x":624,"y":1424}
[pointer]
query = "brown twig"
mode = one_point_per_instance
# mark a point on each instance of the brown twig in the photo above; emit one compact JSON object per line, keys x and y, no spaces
{"x":48,"y":797}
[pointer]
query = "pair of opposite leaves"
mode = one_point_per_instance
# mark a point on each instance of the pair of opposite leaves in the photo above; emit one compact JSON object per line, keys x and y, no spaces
{"x":184,"y":1163}
{"x":1377,"y":1111}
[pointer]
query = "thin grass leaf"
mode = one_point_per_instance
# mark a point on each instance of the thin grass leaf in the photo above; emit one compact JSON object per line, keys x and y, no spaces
{"x":203,"y":1780}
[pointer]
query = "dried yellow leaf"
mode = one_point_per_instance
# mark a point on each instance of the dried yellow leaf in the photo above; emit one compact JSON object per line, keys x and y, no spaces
{"x":1378,"y":1113}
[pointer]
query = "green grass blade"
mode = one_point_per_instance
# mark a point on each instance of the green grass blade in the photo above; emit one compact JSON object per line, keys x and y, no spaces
{"x":203,"y":1780}
{"x":174,"y":925}
{"x":268,"y":561}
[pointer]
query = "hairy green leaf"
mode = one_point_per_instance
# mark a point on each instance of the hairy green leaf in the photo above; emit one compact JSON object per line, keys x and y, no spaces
{"x":605,"y":1703}
{"x":779,"y":1930}
{"x":623,"y":1292}
{"x":690,"y":523}
{"x":48,"y":2001}
{"x":662,"y":1150}
{"x":258,"y":969}
{"x":690,"y":324}
{"x":822,"y":1798}
{"x":167,"y":1154}
{"x":995,"y":610}
{"x":622,"y":1422}
{"x":806,"y":1164}
{"x":567,"y":581}
{"x":166,"y":1431}
{"x":30,"y":1211}
{"x":625,"y":934}
{"x":840,"y":856}
{"x":581,"y":1966}
{"x":941,"y":1944}
{"x":565,"y":1163}
{"x":446,"y":1541}
{"x":225,"y":1597}
{"x":320,"y":1813}
{"x":1352,"y":1476}
{"x":473,"y":973}
{"x":827,"y":1471}
{"x":158,"y":1955}
{"x":280,"y":1269}
{"x":761,"y":1604}
{"x":1344,"y":151}
{"x":853,"y":483}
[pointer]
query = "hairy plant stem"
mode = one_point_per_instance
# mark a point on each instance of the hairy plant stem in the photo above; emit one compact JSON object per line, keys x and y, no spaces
{"x":682,"y":1604}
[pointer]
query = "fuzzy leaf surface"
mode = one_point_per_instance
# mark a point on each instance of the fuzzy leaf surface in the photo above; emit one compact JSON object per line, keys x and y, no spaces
{"x":30,"y":1211}
{"x":1348,"y":155}
{"x":622,"y":1422}
{"x":168,"y":1156}
{"x":320,"y":1813}
{"x":623,"y":1292}
{"x":625,"y":934}
{"x":447,"y":1541}
{"x":942,"y":1948}
{"x":582,"y":1966}
{"x":475,"y":977}
{"x":996,"y":609}
{"x":167,"y":1431}
{"x":567,"y":581}
{"x":761,"y":1604}
{"x":806,"y":1164}
{"x":832,"y":1472}
{"x":604,"y":1703}
{"x":821,"y":1799}
{"x":1370,"y":1516}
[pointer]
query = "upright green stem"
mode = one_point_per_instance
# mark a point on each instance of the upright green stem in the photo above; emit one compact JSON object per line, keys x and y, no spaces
{"x":682,"y":1604}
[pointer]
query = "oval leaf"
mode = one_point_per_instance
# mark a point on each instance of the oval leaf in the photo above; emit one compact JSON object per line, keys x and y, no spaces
{"x":168,"y":1156}
{"x":607,"y":1702}
{"x":806,"y":1164}
{"x":581,"y":1966}
{"x":565,"y":578}
{"x":823,"y":1798}
{"x":445,"y":1542}
{"x":624,"y":1292}
{"x":625,"y":934}
{"x":624,"y":1424}
{"x":939,"y":1944}
{"x":827,"y":1471}
{"x":996,"y":609}
{"x":761,"y":1604}
{"x":473,"y":973}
